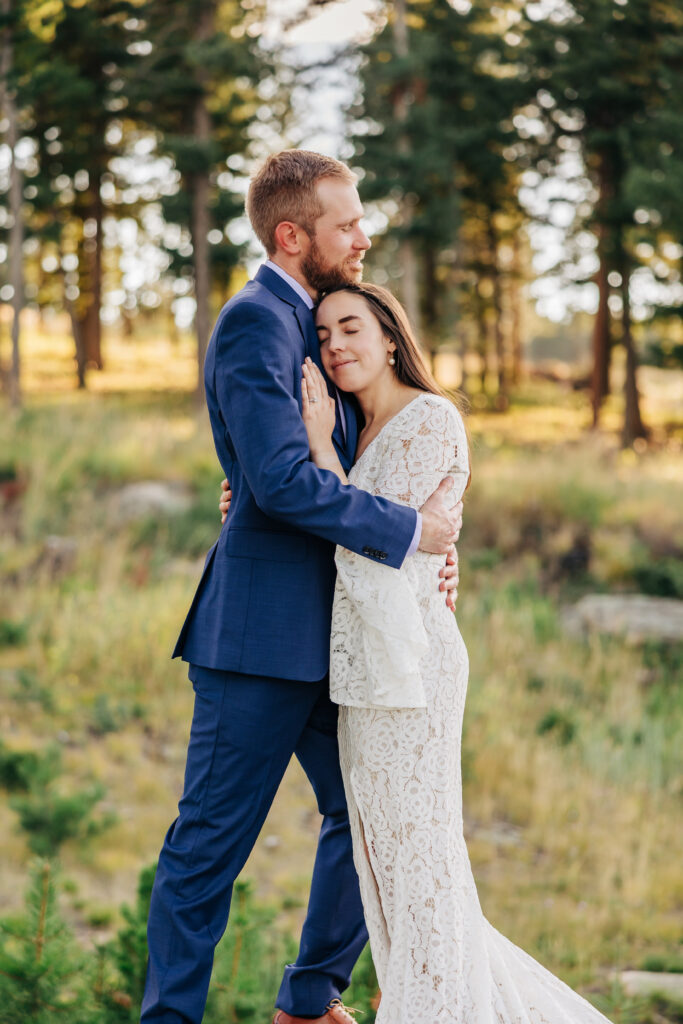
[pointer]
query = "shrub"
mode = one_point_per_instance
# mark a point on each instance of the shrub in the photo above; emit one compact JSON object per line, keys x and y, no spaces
{"x":12,"y":634}
{"x":559,"y":723}
{"x":662,"y":578}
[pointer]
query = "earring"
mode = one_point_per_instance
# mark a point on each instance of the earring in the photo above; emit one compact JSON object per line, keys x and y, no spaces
{"x":392,"y":361}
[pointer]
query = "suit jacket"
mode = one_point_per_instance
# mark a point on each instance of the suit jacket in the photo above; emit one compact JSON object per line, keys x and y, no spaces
{"x":264,"y":602}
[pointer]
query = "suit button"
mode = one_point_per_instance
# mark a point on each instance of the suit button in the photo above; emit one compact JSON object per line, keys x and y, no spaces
{"x":382,"y":555}
{"x":367,"y":551}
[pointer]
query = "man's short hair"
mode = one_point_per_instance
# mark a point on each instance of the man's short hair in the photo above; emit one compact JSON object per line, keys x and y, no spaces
{"x":284,"y":188}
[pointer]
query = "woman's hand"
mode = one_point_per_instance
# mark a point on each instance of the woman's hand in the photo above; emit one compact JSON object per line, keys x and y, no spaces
{"x":225,"y":499}
{"x":318,"y":410}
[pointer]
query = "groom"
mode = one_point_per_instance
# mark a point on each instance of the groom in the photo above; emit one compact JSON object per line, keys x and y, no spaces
{"x":257,"y":633}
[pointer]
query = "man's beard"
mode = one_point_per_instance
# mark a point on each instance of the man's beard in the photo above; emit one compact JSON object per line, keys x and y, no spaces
{"x":323,"y":276}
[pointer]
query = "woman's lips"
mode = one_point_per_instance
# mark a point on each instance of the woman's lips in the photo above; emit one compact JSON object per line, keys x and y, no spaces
{"x":346,"y":362}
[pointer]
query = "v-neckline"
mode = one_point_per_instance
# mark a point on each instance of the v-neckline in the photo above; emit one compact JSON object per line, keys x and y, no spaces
{"x":389,"y":421}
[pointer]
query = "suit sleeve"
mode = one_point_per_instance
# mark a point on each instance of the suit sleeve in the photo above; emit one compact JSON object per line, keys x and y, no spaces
{"x":257,"y":385}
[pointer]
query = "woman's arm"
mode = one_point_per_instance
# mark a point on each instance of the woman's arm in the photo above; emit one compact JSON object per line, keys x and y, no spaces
{"x":319,"y":411}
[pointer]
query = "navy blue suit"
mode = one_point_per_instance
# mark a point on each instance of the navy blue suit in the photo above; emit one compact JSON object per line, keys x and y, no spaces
{"x":257,"y":639}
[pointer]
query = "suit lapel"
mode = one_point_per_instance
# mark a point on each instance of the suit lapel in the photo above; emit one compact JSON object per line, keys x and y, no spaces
{"x":346,"y":449}
{"x":305,"y":319}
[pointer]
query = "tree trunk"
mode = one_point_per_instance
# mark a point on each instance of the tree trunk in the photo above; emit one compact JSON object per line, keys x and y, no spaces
{"x":16,"y":233}
{"x":77,"y":331}
{"x":200,"y":220}
{"x":633,"y":423}
{"x":431,"y":325}
{"x":87,"y":308}
{"x":200,"y":245}
{"x":92,"y":327}
{"x":516,"y":311}
{"x":482,"y":332}
{"x":497,"y":303}
{"x":76,"y":319}
{"x":602,"y":345}
{"x":402,"y":99}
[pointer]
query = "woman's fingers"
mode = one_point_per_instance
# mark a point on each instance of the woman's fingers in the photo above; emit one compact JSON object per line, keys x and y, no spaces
{"x":311,"y":383}
{"x":322,"y":386}
{"x":316,"y":381}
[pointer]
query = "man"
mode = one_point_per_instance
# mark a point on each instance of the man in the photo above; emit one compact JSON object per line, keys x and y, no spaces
{"x":257,"y":633}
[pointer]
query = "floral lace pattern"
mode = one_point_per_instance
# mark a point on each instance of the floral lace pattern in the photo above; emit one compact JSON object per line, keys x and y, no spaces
{"x":399,"y":669}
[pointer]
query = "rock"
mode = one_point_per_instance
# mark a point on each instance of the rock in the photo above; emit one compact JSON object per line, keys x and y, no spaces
{"x":646,"y":983}
{"x":634,"y":616}
{"x":499,"y":833}
{"x":190,"y":567}
{"x":152,"y":498}
{"x":59,"y":554}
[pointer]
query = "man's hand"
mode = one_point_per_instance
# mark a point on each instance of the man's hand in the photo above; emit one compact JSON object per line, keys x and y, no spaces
{"x":441,"y":527}
{"x":440,"y":523}
{"x":450,"y":577}
{"x":225,"y":499}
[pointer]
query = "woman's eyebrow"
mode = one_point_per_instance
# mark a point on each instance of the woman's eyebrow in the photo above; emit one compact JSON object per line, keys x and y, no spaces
{"x":342,"y":320}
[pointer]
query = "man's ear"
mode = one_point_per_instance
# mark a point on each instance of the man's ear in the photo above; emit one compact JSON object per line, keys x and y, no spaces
{"x":287,"y":237}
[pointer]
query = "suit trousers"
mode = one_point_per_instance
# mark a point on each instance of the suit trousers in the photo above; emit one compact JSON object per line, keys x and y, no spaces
{"x":244,"y":732}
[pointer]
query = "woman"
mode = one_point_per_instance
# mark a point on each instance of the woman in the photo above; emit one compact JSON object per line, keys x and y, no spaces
{"x":399,"y":671}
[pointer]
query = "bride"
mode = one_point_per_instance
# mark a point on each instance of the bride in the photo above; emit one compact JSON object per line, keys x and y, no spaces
{"x":399,"y":672}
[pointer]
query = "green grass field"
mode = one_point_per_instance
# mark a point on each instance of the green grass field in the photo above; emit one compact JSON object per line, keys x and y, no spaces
{"x":572,"y":751}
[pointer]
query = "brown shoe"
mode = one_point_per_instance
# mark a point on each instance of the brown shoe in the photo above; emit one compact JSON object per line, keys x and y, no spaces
{"x":336,"y":1013}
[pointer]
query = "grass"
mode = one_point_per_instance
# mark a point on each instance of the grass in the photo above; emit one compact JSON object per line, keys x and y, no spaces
{"x":572,"y":758}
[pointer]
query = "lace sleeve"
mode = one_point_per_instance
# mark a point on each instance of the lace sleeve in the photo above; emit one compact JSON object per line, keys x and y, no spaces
{"x":428,"y":443}
{"x":378,"y":634}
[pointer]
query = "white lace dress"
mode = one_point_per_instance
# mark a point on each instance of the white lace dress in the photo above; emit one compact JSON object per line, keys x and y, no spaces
{"x":399,"y":669}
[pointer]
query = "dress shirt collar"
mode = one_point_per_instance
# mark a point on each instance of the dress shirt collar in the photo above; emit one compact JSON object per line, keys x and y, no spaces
{"x":293,"y":284}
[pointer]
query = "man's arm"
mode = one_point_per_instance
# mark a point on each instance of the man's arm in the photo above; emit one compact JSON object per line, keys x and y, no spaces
{"x":256,"y":379}
{"x":449,"y":574}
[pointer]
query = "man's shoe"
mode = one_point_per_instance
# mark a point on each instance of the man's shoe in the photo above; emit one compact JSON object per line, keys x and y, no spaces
{"x":336,"y":1013}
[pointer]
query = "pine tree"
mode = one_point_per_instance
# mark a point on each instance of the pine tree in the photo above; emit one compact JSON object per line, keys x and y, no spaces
{"x":43,"y":973}
{"x":457,"y":87}
{"x":47,"y":815}
{"x":198,"y":90}
{"x":606,"y":70}
{"x":123,"y":962}
{"x":8,"y":107}
{"x":69,"y":61}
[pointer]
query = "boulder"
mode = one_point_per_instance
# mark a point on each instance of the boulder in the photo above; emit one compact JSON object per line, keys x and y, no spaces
{"x":647,"y":983}
{"x":152,"y":498}
{"x":636,"y":617}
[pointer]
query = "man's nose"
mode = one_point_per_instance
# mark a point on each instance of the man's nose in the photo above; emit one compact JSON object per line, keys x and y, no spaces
{"x":361,"y":241}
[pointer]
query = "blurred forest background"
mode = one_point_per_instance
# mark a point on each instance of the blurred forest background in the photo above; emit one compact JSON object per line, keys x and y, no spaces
{"x":522,"y":172}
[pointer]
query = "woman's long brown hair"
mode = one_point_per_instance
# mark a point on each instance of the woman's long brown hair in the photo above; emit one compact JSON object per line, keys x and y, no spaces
{"x":410,"y":368}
